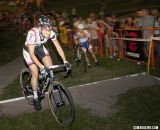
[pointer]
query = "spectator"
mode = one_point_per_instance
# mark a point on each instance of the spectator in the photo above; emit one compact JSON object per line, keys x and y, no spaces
{"x":1,"y":18}
{"x":130,"y":22}
{"x":92,"y":28}
{"x":156,"y":14}
{"x":102,"y":32}
{"x":101,"y":14}
{"x":75,"y":22}
{"x":93,"y":16}
{"x":82,"y":21}
{"x":112,"y":43}
{"x":65,"y":16}
{"x":6,"y":18}
{"x":146,"y":20}
{"x":73,"y":12}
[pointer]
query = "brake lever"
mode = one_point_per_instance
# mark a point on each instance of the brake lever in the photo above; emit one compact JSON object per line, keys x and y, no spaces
{"x":68,"y":72}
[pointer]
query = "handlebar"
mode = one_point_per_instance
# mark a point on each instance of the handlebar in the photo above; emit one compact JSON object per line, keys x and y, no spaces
{"x":63,"y":68}
{"x":79,"y":45}
{"x":53,"y":67}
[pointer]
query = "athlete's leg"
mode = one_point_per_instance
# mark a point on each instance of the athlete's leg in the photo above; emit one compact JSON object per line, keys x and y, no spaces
{"x":86,"y":56}
{"x":90,"y":49}
{"x":47,"y":61}
{"x":34,"y":72}
{"x":34,"y":83}
{"x":46,"y":58}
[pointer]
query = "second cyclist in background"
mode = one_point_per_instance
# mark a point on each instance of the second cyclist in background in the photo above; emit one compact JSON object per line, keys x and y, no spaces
{"x":82,"y":37}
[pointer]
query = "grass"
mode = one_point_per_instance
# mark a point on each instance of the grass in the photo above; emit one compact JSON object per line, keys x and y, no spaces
{"x":136,"y":107}
{"x":10,"y":44}
{"x":11,"y":91}
{"x":155,"y":71}
{"x":44,"y":121}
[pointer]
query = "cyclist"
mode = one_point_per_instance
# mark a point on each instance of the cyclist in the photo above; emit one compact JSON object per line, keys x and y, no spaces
{"x":82,"y":37}
{"x":36,"y":55}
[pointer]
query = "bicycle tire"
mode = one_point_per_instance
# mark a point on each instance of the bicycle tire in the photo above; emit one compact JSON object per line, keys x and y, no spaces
{"x":83,"y":63}
{"x":25,"y":81}
{"x":78,"y":58}
{"x":78,"y":62}
{"x":84,"y":66}
{"x":59,"y":111}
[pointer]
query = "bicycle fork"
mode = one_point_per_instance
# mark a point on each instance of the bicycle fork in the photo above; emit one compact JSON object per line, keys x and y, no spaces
{"x":55,"y":91}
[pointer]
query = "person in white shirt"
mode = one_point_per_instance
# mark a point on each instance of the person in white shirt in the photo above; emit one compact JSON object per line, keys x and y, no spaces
{"x":92,"y":28}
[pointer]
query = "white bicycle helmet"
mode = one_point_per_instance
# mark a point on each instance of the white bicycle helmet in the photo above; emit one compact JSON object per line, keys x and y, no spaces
{"x":80,"y":26}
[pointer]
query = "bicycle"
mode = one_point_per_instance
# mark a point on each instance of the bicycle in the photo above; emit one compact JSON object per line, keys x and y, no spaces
{"x":59,"y":98}
{"x":80,"y":58}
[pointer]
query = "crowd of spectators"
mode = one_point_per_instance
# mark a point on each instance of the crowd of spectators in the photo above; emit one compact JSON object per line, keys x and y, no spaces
{"x":6,"y":17}
{"x":102,"y":27}
{"x":108,"y":25}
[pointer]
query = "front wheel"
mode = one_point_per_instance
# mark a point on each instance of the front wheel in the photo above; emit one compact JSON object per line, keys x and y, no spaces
{"x":61,"y":104}
{"x":25,"y":77}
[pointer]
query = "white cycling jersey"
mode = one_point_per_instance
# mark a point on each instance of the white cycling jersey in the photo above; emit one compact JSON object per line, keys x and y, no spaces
{"x":83,"y":37}
{"x":33,"y":37}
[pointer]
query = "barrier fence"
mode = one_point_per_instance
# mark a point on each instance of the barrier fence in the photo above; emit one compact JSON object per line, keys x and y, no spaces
{"x":66,"y":36}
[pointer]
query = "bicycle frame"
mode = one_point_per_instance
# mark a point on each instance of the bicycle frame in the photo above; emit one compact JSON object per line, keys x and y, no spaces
{"x":79,"y":50}
{"x":81,"y":57}
{"x":52,"y":78}
{"x":51,"y":83}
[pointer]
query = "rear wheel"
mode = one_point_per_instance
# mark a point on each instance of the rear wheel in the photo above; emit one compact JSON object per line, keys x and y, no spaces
{"x":78,"y":57}
{"x":83,"y":63}
{"x":78,"y":62}
{"x":84,"y":66}
{"x":61,"y":104}
{"x":25,"y":77}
